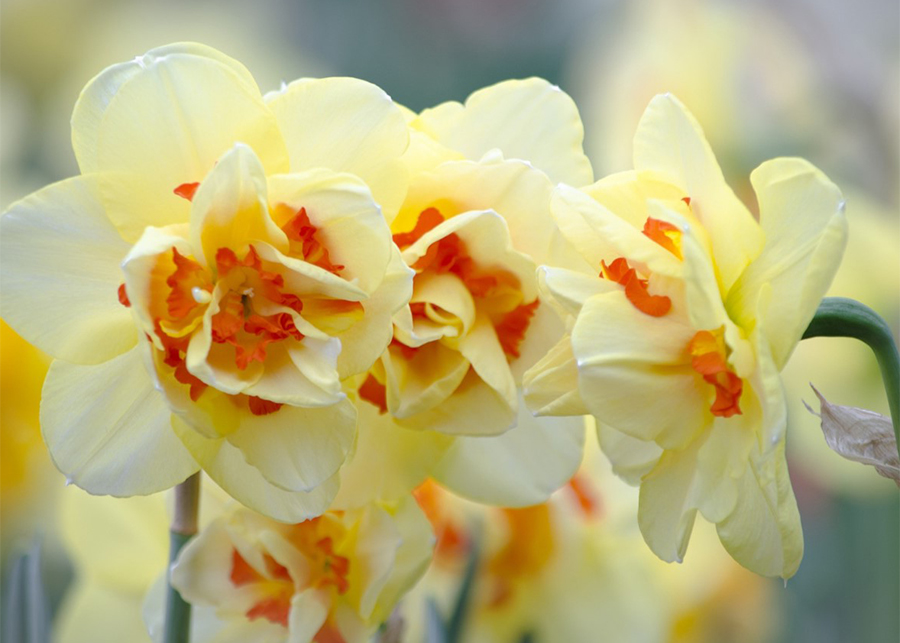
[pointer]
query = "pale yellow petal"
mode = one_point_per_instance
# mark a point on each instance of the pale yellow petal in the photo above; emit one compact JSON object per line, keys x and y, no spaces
{"x":571,"y":289}
{"x":763,"y":533}
{"x":519,"y":468}
{"x":474,"y":409}
{"x":544,"y":330}
{"x":203,"y":569}
{"x":59,"y":274}
{"x":303,"y":374}
{"x":226,"y":465}
{"x":668,"y":503}
{"x":551,"y":385}
{"x":631,"y":458}
{"x":309,"y":609}
{"x":669,"y":145}
{"x":600,"y":235}
{"x":412,"y":559}
{"x":109,"y":430}
{"x":297,"y":449}
{"x":802,"y":216}
{"x":419,"y":383}
{"x":481,"y":347}
{"x":349,"y":222}
{"x":635,"y":373}
{"x":526,"y":119}
{"x":163,"y":120}
{"x":389,"y":460}
{"x":513,"y":189}
{"x":366,"y":340}
{"x":345,"y":125}
{"x":374,"y":552}
{"x":230,"y":208}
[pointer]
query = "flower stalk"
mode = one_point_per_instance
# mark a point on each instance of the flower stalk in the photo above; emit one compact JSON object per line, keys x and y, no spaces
{"x":840,"y":317}
{"x":184,"y":527}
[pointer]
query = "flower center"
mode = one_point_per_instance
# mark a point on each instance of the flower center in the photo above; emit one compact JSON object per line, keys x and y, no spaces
{"x":709,"y":359}
{"x":636,"y":289}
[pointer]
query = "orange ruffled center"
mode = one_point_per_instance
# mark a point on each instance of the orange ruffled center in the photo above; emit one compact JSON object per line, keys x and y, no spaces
{"x":637,"y":289}
{"x":709,"y":359}
{"x":276,"y":587}
{"x":178,"y":307}
{"x":449,"y":255}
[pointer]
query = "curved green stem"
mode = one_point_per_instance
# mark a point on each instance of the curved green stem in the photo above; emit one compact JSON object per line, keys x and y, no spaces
{"x":840,"y":317}
{"x":184,"y":527}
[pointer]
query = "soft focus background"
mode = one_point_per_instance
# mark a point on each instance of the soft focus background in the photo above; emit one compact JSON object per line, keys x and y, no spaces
{"x":814,"y":78}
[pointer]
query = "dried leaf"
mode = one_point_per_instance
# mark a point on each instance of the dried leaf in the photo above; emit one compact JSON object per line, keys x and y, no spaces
{"x":860,"y":435}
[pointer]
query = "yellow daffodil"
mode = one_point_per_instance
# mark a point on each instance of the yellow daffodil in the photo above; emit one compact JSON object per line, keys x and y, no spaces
{"x":678,"y":340}
{"x":336,"y":577}
{"x":474,"y":224}
{"x":220,"y":247}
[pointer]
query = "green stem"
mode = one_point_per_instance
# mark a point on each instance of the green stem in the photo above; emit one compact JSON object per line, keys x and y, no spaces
{"x":184,"y":527}
{"x":840,"y":317}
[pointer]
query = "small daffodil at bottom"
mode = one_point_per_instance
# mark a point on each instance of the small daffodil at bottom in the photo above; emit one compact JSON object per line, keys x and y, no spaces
{"x":678,"y":337}
{"x":332,"y":578}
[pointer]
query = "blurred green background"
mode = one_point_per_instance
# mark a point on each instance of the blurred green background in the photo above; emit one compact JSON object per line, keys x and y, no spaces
{"x":814,"y":78}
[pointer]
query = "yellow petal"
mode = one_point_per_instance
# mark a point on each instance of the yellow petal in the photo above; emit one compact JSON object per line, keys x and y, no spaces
{"x":163,"y":120}
{"x":109,"y":430}
{"x":348,"y":220}
{"x":513,"y":189}
{"x":367,"y":339}
{"x":230,"y":209}
{"x":309,"y":609}
{"x":296,"y":448}
{"x":303,"y":374}
{"x":668,"y":503}
{"x":202,"y":573}
{"x":60,"y":275}
{"x":389,"y":460}
{"x":345,"y":125}
{"x":551,"y":385}
{"x":422,"y":382}
{"x":670,"y":145}
{"x":482,"y":349}
{"x":600,"y":235}
{"x":226,"y":465}
{"x":412,"y":558}
{"x":630,"y":457}
{"x":802,"y":216}
{"x":474,"y":409}
{"x":571,"y":289}
{"x":634,"y":371}
{"x":519,"y":468}
{"x":763,"y":533}
{"x":526,"y":119}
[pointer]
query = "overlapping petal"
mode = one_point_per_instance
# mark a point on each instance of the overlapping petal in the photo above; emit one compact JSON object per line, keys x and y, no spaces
{"x":63,"y":230}
{"x":109,"y":429}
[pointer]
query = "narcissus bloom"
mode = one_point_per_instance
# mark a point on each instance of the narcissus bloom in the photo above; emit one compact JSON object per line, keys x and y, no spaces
{"x":332,"y":578}
{"x":475,"y":223}
{"x":225,"y":249}
{"x":678,"y":340}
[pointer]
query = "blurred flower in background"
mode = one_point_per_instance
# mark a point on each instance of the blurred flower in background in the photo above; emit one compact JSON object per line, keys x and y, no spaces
{"x":768,"y":77}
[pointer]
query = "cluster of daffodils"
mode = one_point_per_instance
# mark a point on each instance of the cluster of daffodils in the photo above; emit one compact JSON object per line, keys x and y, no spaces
{"x":322,"y":300}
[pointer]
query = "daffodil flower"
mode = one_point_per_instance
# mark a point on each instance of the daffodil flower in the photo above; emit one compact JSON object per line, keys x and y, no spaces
{"x":474,"y":224}
{"x":679,"y":336}
{"x":331,"y":578}
{"x":205,"y":284}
